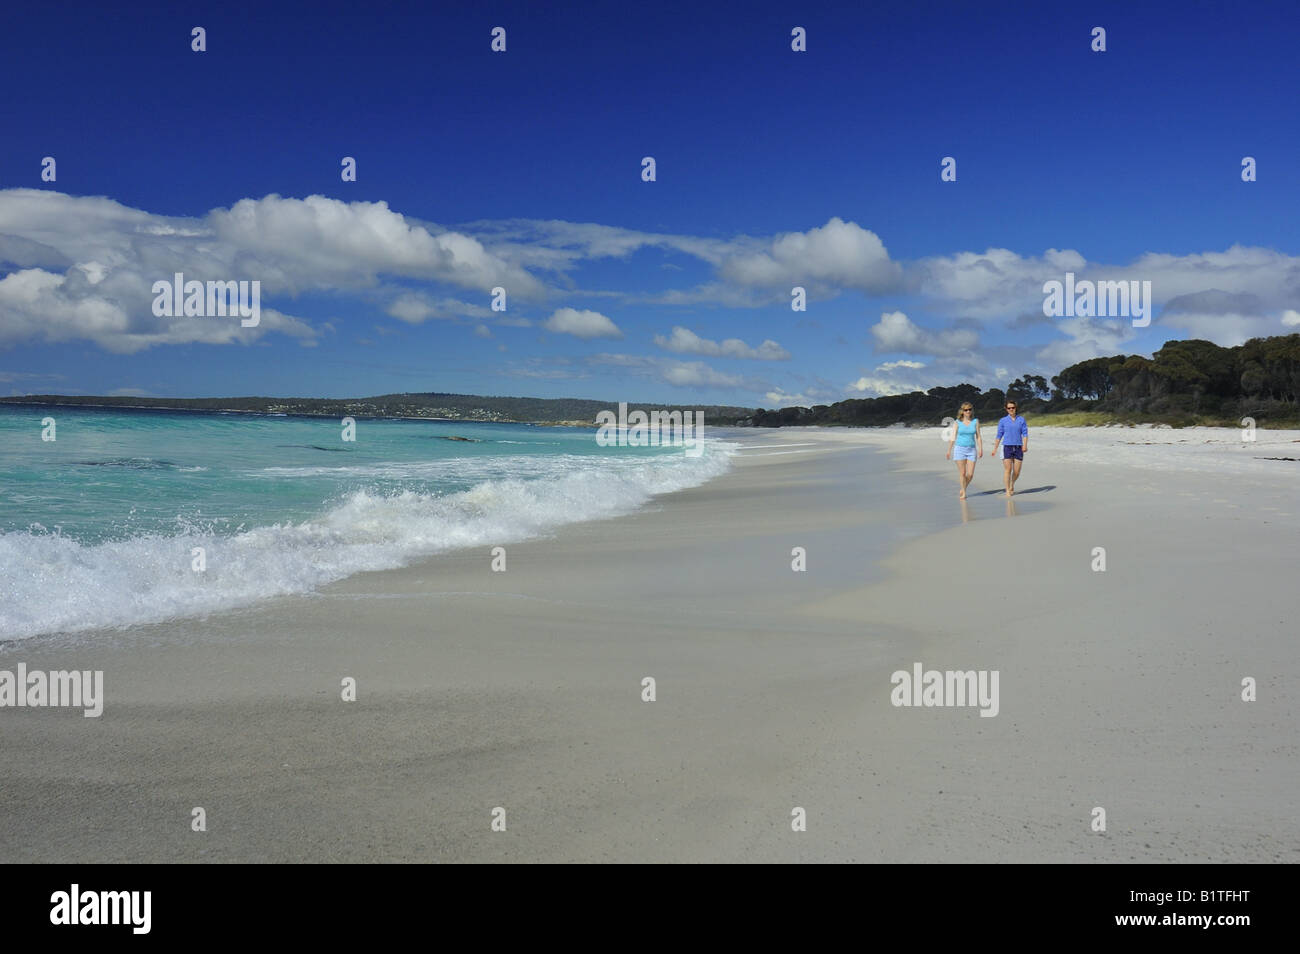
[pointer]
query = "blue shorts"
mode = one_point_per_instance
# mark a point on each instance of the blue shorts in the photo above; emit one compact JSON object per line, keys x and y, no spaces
{"x":1012,"y":452}
{"x":963,"y":453}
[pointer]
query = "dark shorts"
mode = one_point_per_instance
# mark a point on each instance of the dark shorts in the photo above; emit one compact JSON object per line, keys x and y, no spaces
{"x":1012,"y":452}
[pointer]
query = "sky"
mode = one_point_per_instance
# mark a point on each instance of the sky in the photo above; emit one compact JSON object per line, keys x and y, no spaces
{"x":522,"y":169}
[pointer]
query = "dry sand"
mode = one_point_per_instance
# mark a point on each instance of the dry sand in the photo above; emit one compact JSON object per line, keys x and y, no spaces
{"x":523,"y":690}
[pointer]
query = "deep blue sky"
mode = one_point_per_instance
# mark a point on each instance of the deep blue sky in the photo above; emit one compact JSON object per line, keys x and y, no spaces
{"x":1114,"y":155}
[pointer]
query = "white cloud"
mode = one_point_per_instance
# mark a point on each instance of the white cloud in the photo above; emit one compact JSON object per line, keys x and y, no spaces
{"x":84,"y":266}
{"x":321,"y":239}
{"x":1223,"y":296}
{"x":581,"y":324}
{"x":778,"y":398}
{"x":881,"y":386}
{"x":837,"y":255}
{"x":40,"y":306}
{"x":995,"y":283}
{"x":895,"y":365}
{"x":685,"y":341}
{"x":896,"y":332}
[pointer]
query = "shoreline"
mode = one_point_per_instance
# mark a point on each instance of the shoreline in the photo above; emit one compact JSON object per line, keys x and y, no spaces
{"x":523,"y":689}
{"x":17,"y":401}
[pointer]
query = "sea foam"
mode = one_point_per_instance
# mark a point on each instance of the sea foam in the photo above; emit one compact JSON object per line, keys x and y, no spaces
{"x":50,"y":583}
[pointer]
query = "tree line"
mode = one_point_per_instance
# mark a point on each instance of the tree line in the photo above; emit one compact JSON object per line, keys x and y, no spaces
{"x":1185,"y":382}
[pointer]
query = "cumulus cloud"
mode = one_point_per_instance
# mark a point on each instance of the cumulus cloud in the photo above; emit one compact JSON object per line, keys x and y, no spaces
{"x":1223,"y":296}
{"x":882,"y":386}
{"x":904,"y":377}
{"x":684,"y":341}
{"x":307,"y":240}
{"x":837,"y":255}
{"x":116,"y":313}
{"x":892,"y":377}
{"x":581,"y":324}
{"x":896,"y":332}
{"x":992,"y":283}
{"x":83,"y":267}
{"x":779,"y":398}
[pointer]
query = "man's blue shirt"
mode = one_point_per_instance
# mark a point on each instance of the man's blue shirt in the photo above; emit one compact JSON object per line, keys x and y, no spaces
{"x":1012,"y":430}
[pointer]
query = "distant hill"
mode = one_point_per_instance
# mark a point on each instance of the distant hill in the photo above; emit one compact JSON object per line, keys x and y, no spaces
{"x":1184,"y":383}
{"x":431,"y":405}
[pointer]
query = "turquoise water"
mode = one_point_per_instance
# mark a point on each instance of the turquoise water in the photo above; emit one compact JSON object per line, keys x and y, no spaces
{"x":100,"y":527}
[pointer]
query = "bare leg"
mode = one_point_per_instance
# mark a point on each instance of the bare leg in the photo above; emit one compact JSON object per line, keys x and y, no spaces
{"x":1006,"y":475}
{"x":1015,"y":475}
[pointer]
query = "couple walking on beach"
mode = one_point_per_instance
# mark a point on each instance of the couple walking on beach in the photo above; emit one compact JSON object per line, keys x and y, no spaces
{"x":966,"y":446}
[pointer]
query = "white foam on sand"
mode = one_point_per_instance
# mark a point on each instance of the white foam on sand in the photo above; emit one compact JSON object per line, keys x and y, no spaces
{"x":50,"y":583}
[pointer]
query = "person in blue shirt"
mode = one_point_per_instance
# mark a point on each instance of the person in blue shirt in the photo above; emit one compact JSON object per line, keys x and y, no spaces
{"x":964,"y":444}
{"x":1013,"y":435}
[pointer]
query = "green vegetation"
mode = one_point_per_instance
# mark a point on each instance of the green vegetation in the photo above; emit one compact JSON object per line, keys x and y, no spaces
{"x":1184,"y":384}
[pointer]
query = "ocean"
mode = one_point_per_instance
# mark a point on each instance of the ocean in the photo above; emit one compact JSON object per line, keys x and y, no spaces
{"x":140,"y":516}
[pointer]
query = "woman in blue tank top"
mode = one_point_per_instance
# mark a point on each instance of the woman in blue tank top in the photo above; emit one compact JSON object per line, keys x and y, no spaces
{"x":965,"y":446}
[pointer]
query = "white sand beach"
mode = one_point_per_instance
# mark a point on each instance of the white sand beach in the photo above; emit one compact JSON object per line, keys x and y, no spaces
{"x":522,"y":689}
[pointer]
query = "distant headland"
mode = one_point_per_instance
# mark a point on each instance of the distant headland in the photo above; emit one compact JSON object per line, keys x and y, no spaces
{"x":1184,"y":384}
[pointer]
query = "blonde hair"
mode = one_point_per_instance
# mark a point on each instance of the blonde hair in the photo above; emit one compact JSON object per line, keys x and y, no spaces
{"x":966,"y":406}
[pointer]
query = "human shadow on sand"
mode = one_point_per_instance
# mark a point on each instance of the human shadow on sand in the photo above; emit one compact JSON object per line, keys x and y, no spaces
{"x":1018,"y":493}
